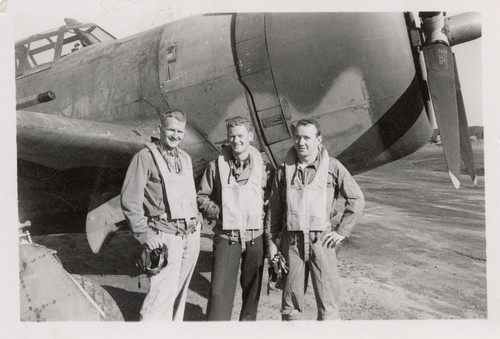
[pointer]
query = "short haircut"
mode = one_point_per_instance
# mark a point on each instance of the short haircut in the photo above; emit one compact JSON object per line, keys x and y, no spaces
{"x":174,"y":114}
{"x":239,"y":121}
{"x":309,"y":121}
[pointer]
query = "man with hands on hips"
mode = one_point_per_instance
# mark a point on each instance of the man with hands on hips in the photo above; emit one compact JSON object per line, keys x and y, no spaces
{"x":304,"y":191}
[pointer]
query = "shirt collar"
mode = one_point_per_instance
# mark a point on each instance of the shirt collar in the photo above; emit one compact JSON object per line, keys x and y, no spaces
{"x":314,"y":164}
{"x":237,"y":163}
{"x":171,"y":152}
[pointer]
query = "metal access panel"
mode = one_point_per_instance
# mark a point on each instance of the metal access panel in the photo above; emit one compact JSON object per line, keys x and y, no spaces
{"x":198,"y":76}
{"x":255,"y":72}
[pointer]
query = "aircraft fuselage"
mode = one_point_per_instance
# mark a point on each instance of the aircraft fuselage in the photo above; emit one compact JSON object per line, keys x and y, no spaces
{"x":354,"y":72}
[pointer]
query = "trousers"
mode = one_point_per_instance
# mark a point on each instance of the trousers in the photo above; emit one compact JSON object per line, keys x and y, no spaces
{"x":225,"y":267}
{"x":166,"y":298}
{"x":322,"y":265}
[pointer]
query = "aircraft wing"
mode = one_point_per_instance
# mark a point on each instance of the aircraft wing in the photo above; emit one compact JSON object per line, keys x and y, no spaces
{"x":62,"y":143}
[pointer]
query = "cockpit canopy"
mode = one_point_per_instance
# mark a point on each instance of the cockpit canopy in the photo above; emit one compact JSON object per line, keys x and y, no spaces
{"x":41,"y":51}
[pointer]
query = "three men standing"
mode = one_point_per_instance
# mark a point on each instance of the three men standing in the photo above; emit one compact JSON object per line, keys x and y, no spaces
{"x":233,"y":191}
{"x":159,"y":202}
{"x":304,"y":192}
{"x":161,"y":206}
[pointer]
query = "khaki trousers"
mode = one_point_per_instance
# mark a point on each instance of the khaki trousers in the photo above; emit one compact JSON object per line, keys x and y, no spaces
{"x":322,"y":265}
{"x":166,"y":298}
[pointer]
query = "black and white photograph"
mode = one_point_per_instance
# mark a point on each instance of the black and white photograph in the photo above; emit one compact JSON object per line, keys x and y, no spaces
{"x":306,"y":167}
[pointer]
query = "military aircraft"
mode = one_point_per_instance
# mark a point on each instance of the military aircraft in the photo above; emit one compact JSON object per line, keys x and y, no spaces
{"x":374,"y":81}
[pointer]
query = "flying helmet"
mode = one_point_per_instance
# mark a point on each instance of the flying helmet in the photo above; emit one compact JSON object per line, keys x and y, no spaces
{"x":152,"y":262}
{"x":277,"y":270}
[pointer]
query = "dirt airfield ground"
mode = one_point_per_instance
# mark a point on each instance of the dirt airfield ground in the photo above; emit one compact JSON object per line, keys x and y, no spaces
{"x":418,"y":253}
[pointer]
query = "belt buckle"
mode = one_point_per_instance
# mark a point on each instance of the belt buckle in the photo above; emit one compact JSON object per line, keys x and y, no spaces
{"x":182,"y":234}
{"x":195,"y":224}
{"x":315,"y":236}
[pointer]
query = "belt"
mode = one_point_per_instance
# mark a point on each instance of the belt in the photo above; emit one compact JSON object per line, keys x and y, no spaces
{"x":307,"y":245}
{"x":242,"y":238}
{"x":183,"y":226}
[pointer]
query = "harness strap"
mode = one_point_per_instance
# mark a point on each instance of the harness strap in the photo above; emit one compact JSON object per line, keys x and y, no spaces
{"x":243,"y":240}
{"x":179,"y":208}
{"x":306,"y":245}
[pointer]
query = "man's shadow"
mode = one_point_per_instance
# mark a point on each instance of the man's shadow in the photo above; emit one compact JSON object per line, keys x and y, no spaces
{"x":128,"y":302}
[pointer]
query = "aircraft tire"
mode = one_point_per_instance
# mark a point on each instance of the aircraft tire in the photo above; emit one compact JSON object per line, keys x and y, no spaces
{"x":101,"y":297}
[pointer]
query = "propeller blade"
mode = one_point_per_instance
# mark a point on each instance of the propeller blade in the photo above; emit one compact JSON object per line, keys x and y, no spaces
{"x":441,"y":82}
{"x":465,"y":143}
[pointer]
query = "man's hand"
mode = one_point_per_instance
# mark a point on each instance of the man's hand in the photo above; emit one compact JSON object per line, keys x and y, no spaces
{"x":332,"y":239}
{"x":272,"y":250}
{"x":154,"y":242}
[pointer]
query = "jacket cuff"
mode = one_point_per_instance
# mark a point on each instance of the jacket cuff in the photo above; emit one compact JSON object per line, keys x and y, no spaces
{"x":342,"y":231}
{"x":143,"y":237}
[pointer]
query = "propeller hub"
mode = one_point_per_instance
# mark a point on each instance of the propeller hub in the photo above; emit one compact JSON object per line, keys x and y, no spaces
{"x":433,"y":28}
{"x":463,"y":28}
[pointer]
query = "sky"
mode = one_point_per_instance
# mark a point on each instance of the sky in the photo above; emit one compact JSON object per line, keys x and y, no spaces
{"x":125,"y":17}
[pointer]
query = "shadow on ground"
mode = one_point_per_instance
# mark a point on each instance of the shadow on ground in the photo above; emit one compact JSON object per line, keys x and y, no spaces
{"x":128,"y":302}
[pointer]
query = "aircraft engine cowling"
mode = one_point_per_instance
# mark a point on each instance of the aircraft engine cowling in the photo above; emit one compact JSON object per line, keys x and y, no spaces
{"x":363,"y":89}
